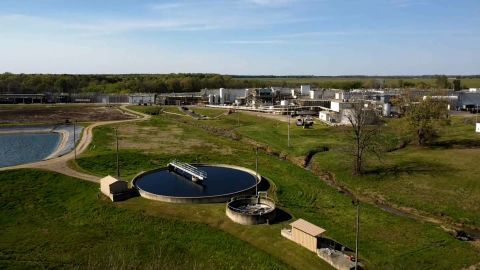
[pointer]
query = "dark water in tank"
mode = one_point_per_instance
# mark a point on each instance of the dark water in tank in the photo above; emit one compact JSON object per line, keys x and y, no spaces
{"x":219,"y":181}
{"x":18,"y":149}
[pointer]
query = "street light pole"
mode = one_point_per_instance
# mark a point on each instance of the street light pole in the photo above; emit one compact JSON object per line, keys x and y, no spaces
{"x":256,"y":171}
{"x":289,"y":130}
{"x":476,"y":116}
{"x":74,"y":141}
{"x":357,"y":233}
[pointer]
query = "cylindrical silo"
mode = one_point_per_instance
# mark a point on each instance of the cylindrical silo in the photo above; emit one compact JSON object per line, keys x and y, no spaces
{"x":387,"y":109}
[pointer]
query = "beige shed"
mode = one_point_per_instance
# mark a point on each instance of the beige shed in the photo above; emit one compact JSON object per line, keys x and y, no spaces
{"x":305,"y":234}
{"x":111,"y":186}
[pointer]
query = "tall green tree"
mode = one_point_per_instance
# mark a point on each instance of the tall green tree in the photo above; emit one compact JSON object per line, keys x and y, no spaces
{"x":457,"y":85}
{"x":423,"y":118}
{"x":442,"y":82}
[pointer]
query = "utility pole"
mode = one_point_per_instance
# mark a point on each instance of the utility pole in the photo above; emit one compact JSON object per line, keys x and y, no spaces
{"x":357,"y":203}
{"x":74,"y":141}
{"x":118,"y":164}
{"x":476,"y":116}
{"x":256,"y":171}
{"x":289,"y":116}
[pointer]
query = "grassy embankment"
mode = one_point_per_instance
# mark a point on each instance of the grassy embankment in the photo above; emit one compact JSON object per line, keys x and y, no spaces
{"x":52,"y":221}
{"x":387,"y":241}
{"x":440,"y":180}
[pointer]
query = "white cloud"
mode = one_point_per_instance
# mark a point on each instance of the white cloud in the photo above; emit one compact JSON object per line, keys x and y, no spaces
{"x":166,"y":6}
{"x":254,"y":42}
{"x":271,"y":2}
{"x":85,"y":26}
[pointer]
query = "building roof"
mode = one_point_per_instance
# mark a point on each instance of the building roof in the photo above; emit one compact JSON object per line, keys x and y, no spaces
{"x":108,"y":180}
{"x":307,"y":227}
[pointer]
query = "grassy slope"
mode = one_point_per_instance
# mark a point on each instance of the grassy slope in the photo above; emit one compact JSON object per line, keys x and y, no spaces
{"x":439,"y":180}
{"x":53,"y":221}
{"x":387,"y":241}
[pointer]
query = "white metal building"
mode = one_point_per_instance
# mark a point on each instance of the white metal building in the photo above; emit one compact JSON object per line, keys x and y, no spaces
{"x":224,"y":95}
{"x":338,"y":105}
{"x":141,"y":99}
{"x":304,"y":90}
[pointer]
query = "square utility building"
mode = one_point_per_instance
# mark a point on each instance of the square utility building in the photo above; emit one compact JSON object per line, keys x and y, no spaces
{"x":306,"y":234}
{"x":113,"y":188}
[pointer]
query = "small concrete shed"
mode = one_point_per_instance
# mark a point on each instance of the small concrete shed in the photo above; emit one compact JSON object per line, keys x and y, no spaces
{"x":112,"y":187}
{"x":305,"y":234}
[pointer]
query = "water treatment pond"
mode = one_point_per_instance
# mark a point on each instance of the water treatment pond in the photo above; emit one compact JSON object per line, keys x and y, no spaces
{"x":220,"y":181}
{"x":18,"y":149}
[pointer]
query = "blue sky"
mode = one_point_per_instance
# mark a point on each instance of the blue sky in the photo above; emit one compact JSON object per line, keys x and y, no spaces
{"x":280,"y":37}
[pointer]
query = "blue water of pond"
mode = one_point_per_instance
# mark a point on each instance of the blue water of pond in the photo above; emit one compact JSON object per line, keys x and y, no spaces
{"x":219,"y":181}
{"x":18,"y":149}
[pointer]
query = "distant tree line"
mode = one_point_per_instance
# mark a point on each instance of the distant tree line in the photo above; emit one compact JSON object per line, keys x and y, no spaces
{"x":39,"y":83}
{"x":168,"y":83}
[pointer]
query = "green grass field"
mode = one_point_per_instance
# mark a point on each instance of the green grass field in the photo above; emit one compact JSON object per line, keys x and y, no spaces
{"x":440,"y":180}
{"x":387,"y":241}
{"x":50,"y":221}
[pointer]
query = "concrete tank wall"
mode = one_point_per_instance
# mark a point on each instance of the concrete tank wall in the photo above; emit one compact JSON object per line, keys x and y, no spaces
{"x":250,"y":219}
{"x":204,"y":199}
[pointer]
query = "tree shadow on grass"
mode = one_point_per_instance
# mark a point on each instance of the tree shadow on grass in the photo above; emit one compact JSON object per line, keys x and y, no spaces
{"x":410,"y":168}
{"x":458,"y":143}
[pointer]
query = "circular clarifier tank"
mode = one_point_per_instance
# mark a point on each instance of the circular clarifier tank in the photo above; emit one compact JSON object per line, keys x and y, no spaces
{"x":250,"y":210}
{"x":222,"y":183}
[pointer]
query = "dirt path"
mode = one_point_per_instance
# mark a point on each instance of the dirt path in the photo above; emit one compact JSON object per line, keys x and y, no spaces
{"x":63,"y":141}
{"x":60,"y":164}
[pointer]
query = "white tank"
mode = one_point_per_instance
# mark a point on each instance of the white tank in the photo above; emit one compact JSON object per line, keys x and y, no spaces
{"x":304,"y":89}
{"x":314,"y":94}
{"x":222,"y":95}
{"x":211,"y":99}
{"x":284,"y":103}
{"x":387,"y":109}
{"x":293,"y":93}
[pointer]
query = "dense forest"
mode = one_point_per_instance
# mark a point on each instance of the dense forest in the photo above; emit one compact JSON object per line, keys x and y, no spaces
{"x":166,"y":83}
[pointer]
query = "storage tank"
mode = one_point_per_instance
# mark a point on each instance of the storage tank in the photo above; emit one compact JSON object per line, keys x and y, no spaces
{"x":293,"y":93}
{"x":304,"y":90}
{"x":314,"y":94}
{"x":387,"y":109}
{"x":211,"y":99}
{"x":222,"y":96}
{"x":284,"y":103}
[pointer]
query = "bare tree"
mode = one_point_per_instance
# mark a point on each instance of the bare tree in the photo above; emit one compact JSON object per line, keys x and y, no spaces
{"x":361,"y":119}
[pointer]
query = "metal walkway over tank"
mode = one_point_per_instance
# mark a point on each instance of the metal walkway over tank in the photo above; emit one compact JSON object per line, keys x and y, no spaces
{"x":189,"y":169}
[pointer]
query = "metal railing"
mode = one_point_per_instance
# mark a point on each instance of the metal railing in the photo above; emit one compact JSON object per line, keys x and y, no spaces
{"x":194,"y":171}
